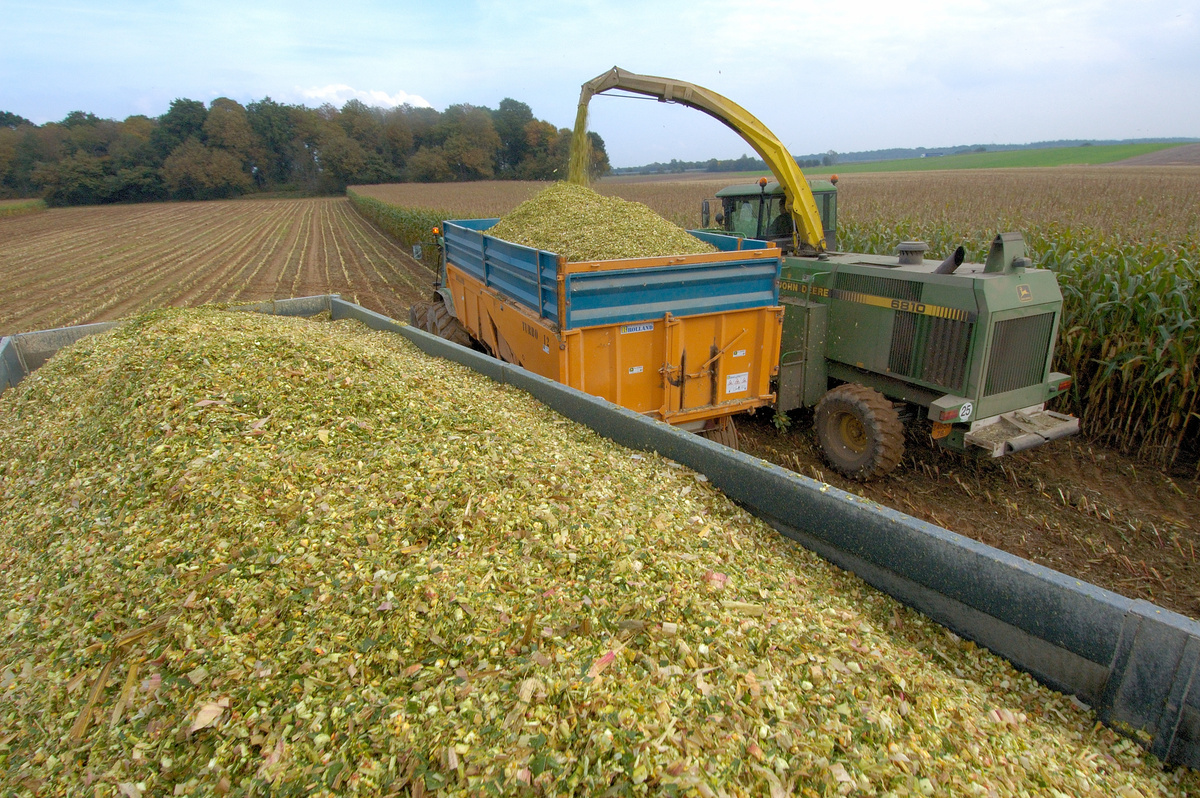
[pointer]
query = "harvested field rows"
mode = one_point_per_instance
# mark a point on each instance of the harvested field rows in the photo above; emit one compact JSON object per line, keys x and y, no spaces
{"x":81,"y":265}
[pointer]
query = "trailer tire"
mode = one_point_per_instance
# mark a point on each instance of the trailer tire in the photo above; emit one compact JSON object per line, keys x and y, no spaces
{"x":860,"y":432}
{"x":725,"y":433}
{"x":444,"y":325}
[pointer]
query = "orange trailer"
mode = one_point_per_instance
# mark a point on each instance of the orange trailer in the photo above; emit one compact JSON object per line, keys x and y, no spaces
{"x":690,"y":339}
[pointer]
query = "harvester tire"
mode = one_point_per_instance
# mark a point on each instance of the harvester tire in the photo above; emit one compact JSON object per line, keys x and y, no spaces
{"x":444,"y":325}
{"x":860,"y":432}
{"x":725,"y":433}
{"x":417,"y":312}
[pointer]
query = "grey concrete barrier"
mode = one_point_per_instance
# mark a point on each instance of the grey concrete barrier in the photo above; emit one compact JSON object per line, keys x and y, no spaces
{"x":24,"y":353}
{"x":296,"y":306}
{"x":1136,"y":663}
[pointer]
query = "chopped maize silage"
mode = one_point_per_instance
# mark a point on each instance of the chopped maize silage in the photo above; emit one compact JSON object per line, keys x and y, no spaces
{"x":581,"y":225}
{"x":249,"y":555}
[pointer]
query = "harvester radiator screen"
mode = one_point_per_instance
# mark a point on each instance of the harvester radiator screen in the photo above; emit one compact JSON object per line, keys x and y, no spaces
{"x":906,"y":290}
{"x":1019,"y":349}
{"x":930,"y":349}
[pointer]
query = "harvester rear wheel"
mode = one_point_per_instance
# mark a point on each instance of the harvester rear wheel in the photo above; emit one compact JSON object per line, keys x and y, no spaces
{"x":860,"y":432}
{"x":444,"y":325}
{"x":725,"y":433}
{"x":417,"y":313}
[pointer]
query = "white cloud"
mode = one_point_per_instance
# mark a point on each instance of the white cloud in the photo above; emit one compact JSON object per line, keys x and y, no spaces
{"x":339,"y":94}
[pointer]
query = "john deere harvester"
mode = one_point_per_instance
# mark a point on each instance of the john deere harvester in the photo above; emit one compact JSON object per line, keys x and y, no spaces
{"x":874,"y":341}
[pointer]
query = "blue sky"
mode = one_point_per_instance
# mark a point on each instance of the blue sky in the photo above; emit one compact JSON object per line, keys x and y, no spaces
{"x":824,"y":75}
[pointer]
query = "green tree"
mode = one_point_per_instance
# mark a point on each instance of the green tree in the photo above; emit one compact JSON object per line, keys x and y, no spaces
{"x":226,"y":127}
{"x":77,"y":118}
{"x":276,"y":145}
{"x":135,"y":184}
{"x":184,"y":120}
{"x":10,"y":120}
{"x":429,"y":165}
{"x":8,"y":158}
{"x":471,"y":142}
{"x":546,"y":154}
{"x":510,"y":120}
{"x":365,"y":126}
{"x":397,"y":137}
{"x":131,"y":147}
{"x":36,"y":146}
{"x":342,"y":160}
{"x":362,"y":123}
{"x":598,"y":165}
{"x":425,"y":124}
{"x":194,"y":171}
{"x":75,"y":180}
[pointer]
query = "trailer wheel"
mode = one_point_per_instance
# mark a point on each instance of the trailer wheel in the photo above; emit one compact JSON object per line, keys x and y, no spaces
{"x":444,"y":325}
{"x":417,"y":313}
{"x":860,"y":432}
{"x":725,"y":433}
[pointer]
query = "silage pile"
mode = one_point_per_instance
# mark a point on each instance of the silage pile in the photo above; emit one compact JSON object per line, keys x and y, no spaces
{"x":250,"y":555}
{"x":581,"y":225}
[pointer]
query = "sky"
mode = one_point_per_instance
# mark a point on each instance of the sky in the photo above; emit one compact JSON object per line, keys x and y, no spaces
{"x":843,"y":75}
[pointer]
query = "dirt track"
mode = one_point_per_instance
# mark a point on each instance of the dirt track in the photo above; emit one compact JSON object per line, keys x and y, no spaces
{"x":1077,"y":508}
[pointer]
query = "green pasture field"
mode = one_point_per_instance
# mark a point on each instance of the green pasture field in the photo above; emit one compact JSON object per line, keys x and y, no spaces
{"x":1055,"y":156}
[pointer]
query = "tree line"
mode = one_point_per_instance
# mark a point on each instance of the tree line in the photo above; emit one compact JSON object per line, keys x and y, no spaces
{"x":745,"y":163}
{"x":225,"y":149}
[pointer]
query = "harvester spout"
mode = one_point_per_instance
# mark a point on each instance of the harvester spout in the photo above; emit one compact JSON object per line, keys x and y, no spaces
{"x":799,"y":200}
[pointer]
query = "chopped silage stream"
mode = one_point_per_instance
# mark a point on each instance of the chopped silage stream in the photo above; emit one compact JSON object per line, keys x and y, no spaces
{"x":245,"y":555}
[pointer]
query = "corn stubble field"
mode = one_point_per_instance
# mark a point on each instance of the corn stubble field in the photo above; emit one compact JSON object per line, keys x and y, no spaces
{"x":79,"y":265}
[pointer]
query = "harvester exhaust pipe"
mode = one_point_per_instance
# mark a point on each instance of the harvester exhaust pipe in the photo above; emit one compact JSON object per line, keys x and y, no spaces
{"x":951,"y":263}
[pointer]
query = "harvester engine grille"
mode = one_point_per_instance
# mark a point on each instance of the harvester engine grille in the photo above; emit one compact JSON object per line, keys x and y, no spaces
{"x":931,"y":349}
{"x":907,"y":290}
{"x":1019,"y":349}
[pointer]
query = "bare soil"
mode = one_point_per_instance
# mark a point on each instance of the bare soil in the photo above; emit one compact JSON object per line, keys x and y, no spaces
{"x":1183,"y":155}
{"x":1080,"y":509}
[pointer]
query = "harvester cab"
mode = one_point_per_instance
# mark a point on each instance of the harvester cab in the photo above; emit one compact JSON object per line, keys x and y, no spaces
{"x":759,"y":210}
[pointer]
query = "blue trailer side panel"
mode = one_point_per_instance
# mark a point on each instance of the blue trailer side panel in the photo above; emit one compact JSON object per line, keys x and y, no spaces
{"x":530,"y":277}
{"x":523,"y":274}
{"x":615,"y":297}
{"x":727,"y":243}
